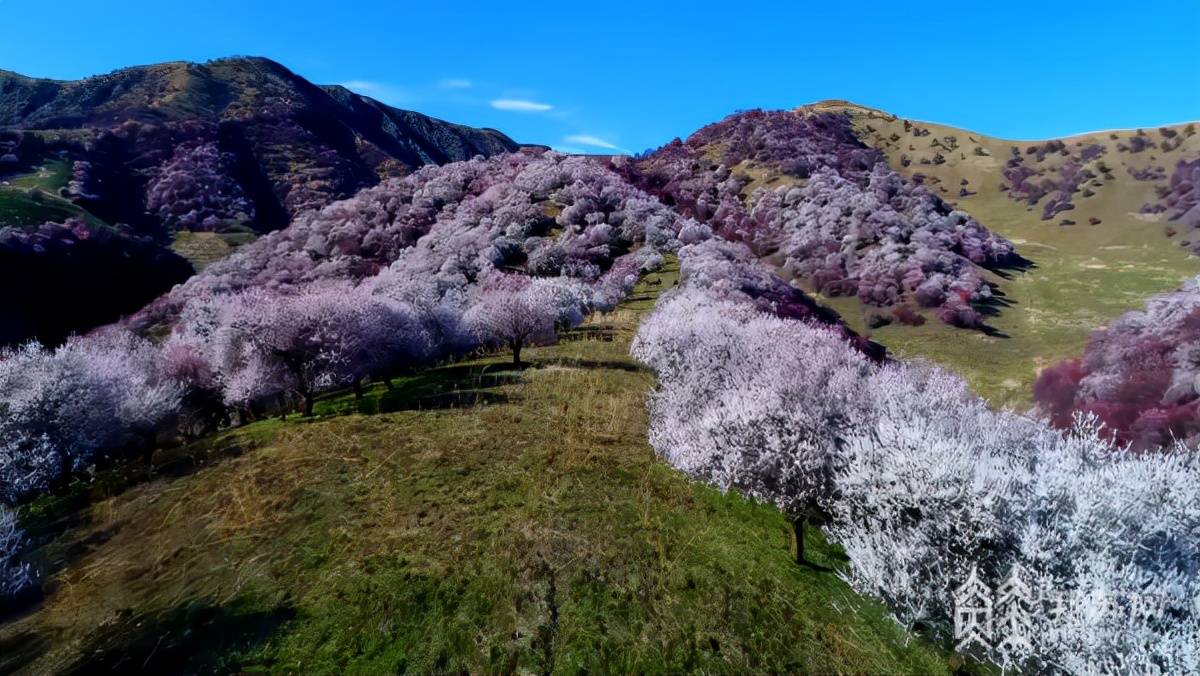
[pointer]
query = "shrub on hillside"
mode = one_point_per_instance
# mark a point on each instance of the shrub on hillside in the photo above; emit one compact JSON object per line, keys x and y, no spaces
{"x":451,"y":223}
{"x":194,"y":190}
{"x":1182,"y":198}
{"x":1139,"y":375}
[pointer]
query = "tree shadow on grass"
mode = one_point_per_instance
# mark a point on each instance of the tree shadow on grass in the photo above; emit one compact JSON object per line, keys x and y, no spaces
{"x":191,"y":639}
{"x":1010,"y":268}
{"x":456,"y":386}
{"x":992,"y":307}
{"x":601,"y":332}
{"x":19,"y":650}
{"x":576,"y":362}
{"x":58,"y":525}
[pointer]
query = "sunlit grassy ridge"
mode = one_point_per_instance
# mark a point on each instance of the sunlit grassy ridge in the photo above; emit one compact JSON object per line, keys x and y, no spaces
{"x":474,"y":519}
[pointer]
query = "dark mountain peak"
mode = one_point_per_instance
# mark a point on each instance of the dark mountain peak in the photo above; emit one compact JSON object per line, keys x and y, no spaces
{"x":231,"y":89}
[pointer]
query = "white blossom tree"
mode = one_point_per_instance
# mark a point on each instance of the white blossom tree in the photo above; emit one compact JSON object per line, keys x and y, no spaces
{"x":512,"y":312}
{"x":15,"y":577}
{"x":921,"y":482}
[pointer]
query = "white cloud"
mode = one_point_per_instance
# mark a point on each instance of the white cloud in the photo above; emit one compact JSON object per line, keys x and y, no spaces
{"x":377,"y":90}
{"x":576,"y":141}
{"x":455,"y":83}
{"x":521,"y":105}
{"x":362,"y":86}
{"x":593,"y":141}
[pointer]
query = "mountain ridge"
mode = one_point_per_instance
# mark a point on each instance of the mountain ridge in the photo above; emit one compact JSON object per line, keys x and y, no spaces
{"x":845,"y":105}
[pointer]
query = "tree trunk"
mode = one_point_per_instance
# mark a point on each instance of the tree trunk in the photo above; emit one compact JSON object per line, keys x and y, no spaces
{"x":516,"y":348}
{"x":148,"y":451}
{"x":387,"y":383}
{"x":308,"y":404}
{"x":65,"y":467}
{"x":798,"y":534}
{"x":358,"y":389}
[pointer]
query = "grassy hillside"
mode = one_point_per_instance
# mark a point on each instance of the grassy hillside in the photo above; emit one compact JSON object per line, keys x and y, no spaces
{"x":31,"y":198}
{"x":202,"y":249}
{"x":474,"y":519}
{"x":1083,"y":275}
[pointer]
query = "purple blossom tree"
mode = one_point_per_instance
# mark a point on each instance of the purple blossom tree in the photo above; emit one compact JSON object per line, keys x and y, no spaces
{"x":270,"y":344}
{"x":854,"y":227}
{"x":194,"y":190}
{"x":1140,"y":375}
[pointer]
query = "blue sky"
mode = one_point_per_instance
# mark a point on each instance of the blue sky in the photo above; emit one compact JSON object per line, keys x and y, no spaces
{"x":603,"y":76}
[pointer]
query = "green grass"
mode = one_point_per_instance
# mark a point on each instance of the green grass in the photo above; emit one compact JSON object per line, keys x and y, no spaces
{"x":51,"y":176}
{"x":18,"y":206}
{"x":1084,"y":276}
{"x":477,"y":518}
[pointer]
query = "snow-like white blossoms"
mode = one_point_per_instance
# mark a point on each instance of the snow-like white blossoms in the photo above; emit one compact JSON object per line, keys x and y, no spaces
{"x":15,"y":577}
{"x":921,"y":482}
{"x":59,"y":408}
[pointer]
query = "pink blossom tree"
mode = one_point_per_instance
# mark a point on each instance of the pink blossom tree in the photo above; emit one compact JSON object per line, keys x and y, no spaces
{"x":194,"y":190}
{"x":511,"y":312}
{"x":272,"y":344}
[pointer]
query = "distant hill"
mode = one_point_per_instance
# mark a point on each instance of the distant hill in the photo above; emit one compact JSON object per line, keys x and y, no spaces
{"x":1090,"y":211}
{"x":1087,"y":213}
{"x":1102,"y":221}
{"x":194,"y":159}
{"x":143,"y":140}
